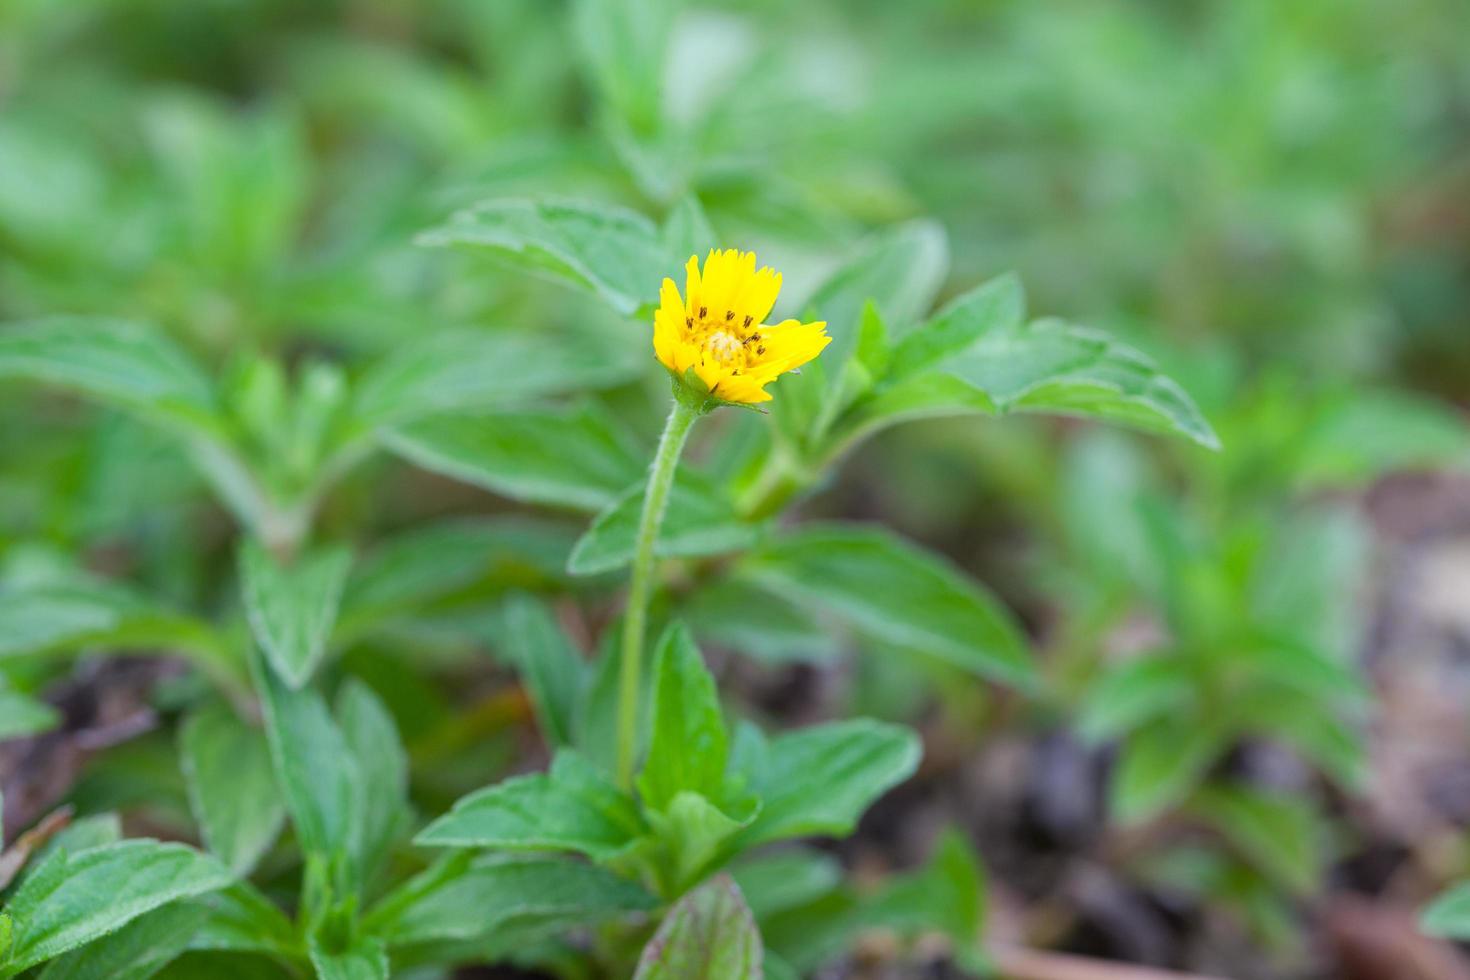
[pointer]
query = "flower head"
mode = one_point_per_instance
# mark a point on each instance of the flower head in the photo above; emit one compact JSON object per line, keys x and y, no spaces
{"x":718,"y":329}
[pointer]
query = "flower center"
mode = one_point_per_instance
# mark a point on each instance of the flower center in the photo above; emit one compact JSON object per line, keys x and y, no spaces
{"x":724,"y":346}
{"x":728,"y":337}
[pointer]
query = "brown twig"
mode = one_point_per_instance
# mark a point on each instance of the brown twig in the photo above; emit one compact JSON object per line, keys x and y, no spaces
{"x":1014,"y":963}
{"x":16,"y":855}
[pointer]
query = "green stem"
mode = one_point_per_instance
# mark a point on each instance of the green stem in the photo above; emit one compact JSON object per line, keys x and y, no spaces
{"x":635,"y":617}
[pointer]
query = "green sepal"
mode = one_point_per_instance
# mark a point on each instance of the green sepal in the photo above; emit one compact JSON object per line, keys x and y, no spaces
{"x":691,"y":392}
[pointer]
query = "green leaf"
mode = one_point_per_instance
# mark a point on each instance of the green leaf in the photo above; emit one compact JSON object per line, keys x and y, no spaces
{"x":237,"y":179}
{"x":1448,"y":916}
{"x":208,"y":965}
{"x":616,"y":254}
{"x":232,"y":789}
{"x":1107,"y":481}
{"x":314,"y":765}
{"x":624,"y":44}
{"x":819,"y":780}
{"x":1308,"y":725}
{"x":1275,"y":833}
{"x":243,"y":920}
{"x":1364,"y":434}
{"x":692,"y":835}
{"x":117,"y":360}
{"x":740,"y":615}
{"x":1045,"y":366}
{"x":701,"y":520}
{"x":874,"y":354}
{"x":899,"y":271}
{"x":463,"y":897}
{"x":773,"y":883}
{"x":947,"y":894}
{"x":136,"y":951}
{"x":708,"y":935}
{"x":1055,"y":367}
{"x":1161,"y":764}
{"x":572,"y":808}
{"x":927,"y":395}
{"x":22,"y":715}
{"x":365,"y":959}
{"x":550,"y":666}
{"x":457,"y":371}
{"x":63,"y":617}
{"x":382,"y":770}
{"x":595,"y":722}
{"x":687,"y":232}
{"x":688,"y":748}
{"x":564,"y":457}
{"x":404,"y":574}
{"x":998,"y":305}
{"x":292,"y":608}
{"x":74,"y":898}
{"x":897,"y":593}
{"x":1133,"y":693}
{"x":80,"y":835}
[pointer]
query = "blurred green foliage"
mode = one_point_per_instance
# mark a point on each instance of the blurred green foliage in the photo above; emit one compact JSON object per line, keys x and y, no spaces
{"x":1265,"y":199}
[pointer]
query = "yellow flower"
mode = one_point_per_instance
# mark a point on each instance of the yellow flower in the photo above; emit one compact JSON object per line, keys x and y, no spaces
{"x":721,"y":331}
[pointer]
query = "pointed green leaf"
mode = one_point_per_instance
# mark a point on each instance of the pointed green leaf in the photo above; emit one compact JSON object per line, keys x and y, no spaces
{"x":692,"y":835}
{"x":463,"y":897}
{"x":1448,"y":916}
{"x":457,"y":371}
{"x":74,"y":898}
{"x":292,"y":608}
{"x":79,"y":615}
{"x":1133,"y":693}
{"x":898,"y":593}
{"x":243,"y":920}
{"x":899,"y":271}
{"x":136,"y":951}
{"x":996,"y":306}
{"x":1276,"y":833}
{"x":786,"y":879}
{"x":314,"y":765}
{"x":550,"y":666}
{"x":573,"y":458}
{"x":708,"y":935}
{"x":232,"y":788}
{"x":701,"y":520}
{"x":819,"y":780}
{"x":688,"y":748}
{"x":616,"y":254}
{"x":404,"y":575}
{"x":572,"y":808}
{"x":365,"y":959}
{"x":948,"y":893}
{"x":1055,"y":367}
{"x":761,"y":623}
{"x":382,"y":768}
{"x":1160,"y":765}
{"x":118,"y":360}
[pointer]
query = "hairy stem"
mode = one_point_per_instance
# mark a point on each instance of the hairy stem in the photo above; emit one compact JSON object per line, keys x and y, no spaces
{"x":635,"y":617}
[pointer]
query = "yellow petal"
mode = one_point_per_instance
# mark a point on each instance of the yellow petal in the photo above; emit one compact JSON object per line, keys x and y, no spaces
{"x":668,"y":321}
{"x":758,"y":293}
{"x":715,"y":283}
{"x":790,"y":344}
{"x":745,"y":389}
{"x":691,"y":279}
{"x":712,"y":372}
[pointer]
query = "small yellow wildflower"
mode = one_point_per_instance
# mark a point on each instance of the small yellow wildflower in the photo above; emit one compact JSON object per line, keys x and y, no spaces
{"x":721,"y":331}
